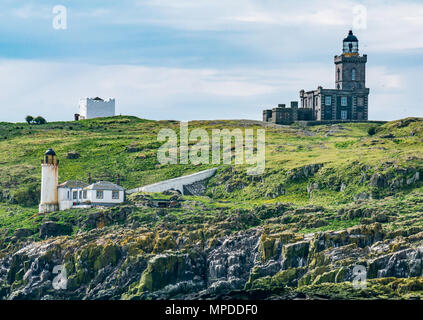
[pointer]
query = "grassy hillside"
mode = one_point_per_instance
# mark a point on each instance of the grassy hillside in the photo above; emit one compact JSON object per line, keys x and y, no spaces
{"x":346,"y":156}
{"x":318,"y":179}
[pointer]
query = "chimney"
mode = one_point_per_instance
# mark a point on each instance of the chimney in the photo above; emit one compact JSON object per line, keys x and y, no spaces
{"x":89,"y":178}
{"x":118,"y":179}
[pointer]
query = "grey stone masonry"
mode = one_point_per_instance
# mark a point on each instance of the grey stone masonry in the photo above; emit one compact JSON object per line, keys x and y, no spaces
{"x":349,"y":101}
{"x":350,"y":72}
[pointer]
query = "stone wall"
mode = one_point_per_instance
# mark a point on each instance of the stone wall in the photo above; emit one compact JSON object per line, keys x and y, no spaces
{"x":176,"y":183}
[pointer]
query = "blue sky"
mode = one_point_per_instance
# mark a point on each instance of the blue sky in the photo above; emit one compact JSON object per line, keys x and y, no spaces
{"x":201,"y":59}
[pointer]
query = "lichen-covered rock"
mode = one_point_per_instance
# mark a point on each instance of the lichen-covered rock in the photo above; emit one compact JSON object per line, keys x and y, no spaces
{"x":304,"y":172}
{"x":295,"y":255}
{"x":230,"y":263}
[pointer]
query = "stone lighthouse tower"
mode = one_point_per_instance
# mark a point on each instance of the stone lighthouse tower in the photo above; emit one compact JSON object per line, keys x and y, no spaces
{"x":49,"y":182}
{"x":350,"y":66}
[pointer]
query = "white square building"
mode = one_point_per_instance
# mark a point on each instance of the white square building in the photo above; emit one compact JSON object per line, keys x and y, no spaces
{"x":90,"y":108}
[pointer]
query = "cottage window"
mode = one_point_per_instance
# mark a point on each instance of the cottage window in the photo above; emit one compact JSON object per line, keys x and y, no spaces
{"x":80,"y":194}
{"x":75,"y":195}
{"x":115,"y":194}
{"x":99,"y":194}
{"x":85,"y":194}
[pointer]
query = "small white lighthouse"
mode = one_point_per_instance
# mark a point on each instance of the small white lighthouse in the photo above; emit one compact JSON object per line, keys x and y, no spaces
{"x":49,"y":181}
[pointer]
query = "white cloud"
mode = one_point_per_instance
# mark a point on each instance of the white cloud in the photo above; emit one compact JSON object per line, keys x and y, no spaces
{"x":30,"y":11}
{"x":391,"y":25}
{"x":53,"y":90}
{"x":382,"y":80}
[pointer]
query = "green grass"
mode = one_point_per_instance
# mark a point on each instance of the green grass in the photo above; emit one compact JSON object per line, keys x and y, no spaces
{"x":104,"y":146}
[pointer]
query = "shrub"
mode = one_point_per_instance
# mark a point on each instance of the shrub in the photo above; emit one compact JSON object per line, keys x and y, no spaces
{"x":371,"y":131}
{"x":40,"y":120}
{"x":27,"y":196}
{"x":29,"y":119}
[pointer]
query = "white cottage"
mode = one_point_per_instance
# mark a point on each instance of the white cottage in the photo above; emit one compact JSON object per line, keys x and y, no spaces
{"x":105,"y":193}
{"x":78,"y":194}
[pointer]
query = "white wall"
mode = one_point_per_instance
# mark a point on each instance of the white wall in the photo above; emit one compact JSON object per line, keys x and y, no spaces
{"x":49,"y":181}
{"x":65,"y":196}
{"x":107,"y":196}
{"x":66,"y":202}
{"x":176,"y":183}
{"x":90,"y":108}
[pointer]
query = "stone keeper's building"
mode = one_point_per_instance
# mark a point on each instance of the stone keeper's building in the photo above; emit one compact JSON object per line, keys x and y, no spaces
{"x":347,"y":102}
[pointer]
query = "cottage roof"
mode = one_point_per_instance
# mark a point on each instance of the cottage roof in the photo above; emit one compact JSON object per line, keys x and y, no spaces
{"x":72,"y":184}
{"x":104,"y":185}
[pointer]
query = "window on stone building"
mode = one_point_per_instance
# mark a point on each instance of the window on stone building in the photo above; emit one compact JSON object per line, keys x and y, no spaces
{"x":328,"y":100}
{"x":344,"y":114}
{"x":339,"y":74}
{"x":344,"y":101}
{"x":353,"y":74}
{"x":360,"y":101}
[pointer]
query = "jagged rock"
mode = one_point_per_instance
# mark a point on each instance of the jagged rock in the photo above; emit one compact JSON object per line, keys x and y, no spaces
{"x":380,"y":217}
{"x":131,"y":149}
{"x":309,"y":209}
{"x":377,"y":180}
{"x":361,"y":196}
{"x":171,"y":192}
{"x":73,"y":155}
{"x":414,"y":178}
{"x":53,"y":229}
{"x":196,"y":189}
{"x":235,"y":185}
{"x":276,"y":192}
{"x":229,"y":264}
{"x":311,"y":187}
{"x":363,"y":235}
{"x":267,"y":211}
{"x":173,"y":272}
{"x":304,"y":172}
{"x":295,"y":255}
{"x":387,"y":136}
{"x":23,"y":233}
{"x":402,"y":264}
